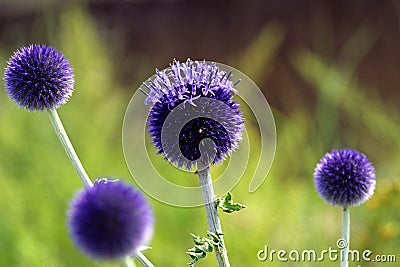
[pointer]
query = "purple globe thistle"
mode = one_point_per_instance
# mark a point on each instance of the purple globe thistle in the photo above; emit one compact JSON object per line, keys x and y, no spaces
{"x":110,"y":220}
{"x":38,"y":77}
{"x":193,"y":119}
{"x":345,"y":178}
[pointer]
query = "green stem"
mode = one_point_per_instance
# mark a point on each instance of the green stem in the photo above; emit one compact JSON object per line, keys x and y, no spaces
{"x":214,"y":224}
{"x":346,"y":237}
{"x":66,"y":143}
{"x":143,"y":260}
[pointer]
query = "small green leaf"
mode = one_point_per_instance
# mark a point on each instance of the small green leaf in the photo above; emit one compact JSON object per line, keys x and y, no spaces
{"x":214,"y":238}
{"x":202,"y":246}
{"x":227,"y":205}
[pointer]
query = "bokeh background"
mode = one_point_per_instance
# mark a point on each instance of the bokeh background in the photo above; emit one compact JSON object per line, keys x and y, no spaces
{"x":329,"y":69}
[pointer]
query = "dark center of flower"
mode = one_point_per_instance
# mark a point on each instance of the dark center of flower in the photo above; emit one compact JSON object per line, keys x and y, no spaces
{"x":199,"y":129}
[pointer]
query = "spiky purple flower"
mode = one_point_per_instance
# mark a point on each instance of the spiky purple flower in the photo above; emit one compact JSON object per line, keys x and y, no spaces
{"x":38,"y":78}
{"x":345,"y":178}
{"x":110,"y":220}
{"x":193,"y":119}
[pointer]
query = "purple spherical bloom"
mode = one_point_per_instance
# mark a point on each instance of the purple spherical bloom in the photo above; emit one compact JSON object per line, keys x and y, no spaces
{"x":345,"y":178}
{"x":110,"y":220}
{"x":193,"y":119}
{"x":38,"y":77}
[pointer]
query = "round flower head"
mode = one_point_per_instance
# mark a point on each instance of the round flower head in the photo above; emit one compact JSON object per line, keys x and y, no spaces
{"x":193,"y":119}
{"x":38,"y":77}
{"x":345,"y":178}
{"x":110,"y":220}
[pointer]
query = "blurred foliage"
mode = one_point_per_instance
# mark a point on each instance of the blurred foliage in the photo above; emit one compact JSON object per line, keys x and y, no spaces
{"x":285,"y":213}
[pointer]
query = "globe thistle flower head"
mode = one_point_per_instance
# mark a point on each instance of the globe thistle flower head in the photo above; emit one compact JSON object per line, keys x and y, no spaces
{"x":110,"y":220}
{"x":345,"y":178}
{"x":38,"y":78}
{"x":193,"y":119}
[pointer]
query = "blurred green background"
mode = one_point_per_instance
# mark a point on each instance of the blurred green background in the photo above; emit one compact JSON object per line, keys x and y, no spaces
{"x":328,"y":68}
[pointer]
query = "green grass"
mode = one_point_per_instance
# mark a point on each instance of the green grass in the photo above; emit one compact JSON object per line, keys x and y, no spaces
{"x":37,"y":180}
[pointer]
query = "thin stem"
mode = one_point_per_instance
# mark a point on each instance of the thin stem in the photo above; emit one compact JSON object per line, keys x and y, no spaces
{"x":346,"y":237}
{"x":214,"y":224}
{"x":66,"y":143}
{"x":143,"y":260}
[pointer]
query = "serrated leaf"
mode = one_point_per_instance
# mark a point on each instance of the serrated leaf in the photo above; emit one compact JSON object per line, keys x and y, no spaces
{"x":227,"y":205}
{"x":203,"y":245}
{"x":214,"y":238}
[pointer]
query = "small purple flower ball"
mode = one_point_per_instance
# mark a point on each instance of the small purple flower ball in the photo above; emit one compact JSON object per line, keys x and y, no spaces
{"x":38,"y":78}
{"x":345,"y":178}
{"x":200,"y":97}
{"x":110,"y":220}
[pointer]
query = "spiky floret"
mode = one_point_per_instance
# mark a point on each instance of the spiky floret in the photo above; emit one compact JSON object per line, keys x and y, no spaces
{"x":110,"y":220}
{"x":199,"y":97}
{"x":38,"y":77}
{"x":345,"y":178}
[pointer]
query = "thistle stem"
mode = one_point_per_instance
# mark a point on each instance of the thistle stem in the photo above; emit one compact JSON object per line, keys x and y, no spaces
{"x":214,"y":224}
{"x":66,"y":143}
{"x":143,"y":260}
{"x":346,"y":237}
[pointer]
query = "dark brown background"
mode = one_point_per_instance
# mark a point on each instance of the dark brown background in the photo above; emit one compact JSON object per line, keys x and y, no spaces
{"x":152,"y":33}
